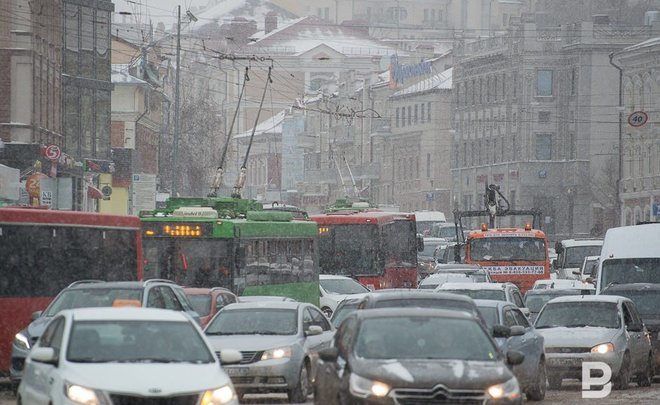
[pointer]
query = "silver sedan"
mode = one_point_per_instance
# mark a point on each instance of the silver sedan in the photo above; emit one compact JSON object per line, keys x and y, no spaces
{"x":278,"y":341}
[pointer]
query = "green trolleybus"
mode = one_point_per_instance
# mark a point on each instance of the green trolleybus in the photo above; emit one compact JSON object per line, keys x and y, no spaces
{"x":232,"y":243}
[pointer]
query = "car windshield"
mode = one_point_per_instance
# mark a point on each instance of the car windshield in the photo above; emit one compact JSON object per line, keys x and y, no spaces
{"x":93,"y":297}
{"x":647,"y":302}
{"x":579,"y":314}
{"x":254,"y":321}
{"x":439,"y":279}
{"x":201,"y":303}
{"x":136,"y":341}
{"x":497,"y":295}
{"x":626,"y":271}
{"x":575,"y":255}
{"x":342,"y":311}
{"x":429,"y":249}
{"x":490,"y":315}
{"x":423,"y":337}
{"x":343,"y":286}
{"x":537,"y":301}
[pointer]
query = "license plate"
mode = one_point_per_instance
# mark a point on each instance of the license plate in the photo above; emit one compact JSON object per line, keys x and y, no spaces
{"x":565,"y":362}
{"x":237,"y":371}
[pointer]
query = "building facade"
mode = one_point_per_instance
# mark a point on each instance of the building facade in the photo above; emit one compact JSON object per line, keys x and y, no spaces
{"x":530,"y":114}
{"x":31,"y":82}
{"x":640,"y":179}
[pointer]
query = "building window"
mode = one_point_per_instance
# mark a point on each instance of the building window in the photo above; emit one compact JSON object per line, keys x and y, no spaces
{"x":403,"y":116}
{"x":426,"y":14}
{"x":409,"y":115}
{"x":543,"y":146}
{"x":515,"y":84}
{"x":544,"y":83}
{"x":397,"y":117}
{"x":432,"y":14}
{"x":572,"y":147}
{"x":467,"y":202}
{"x":544,"y":117}
{"x":421,"y":113}
{"x":416,"y":115}
{"x":428,"y":111}
{"x":573,"y":81}
{"x":428,"y":165}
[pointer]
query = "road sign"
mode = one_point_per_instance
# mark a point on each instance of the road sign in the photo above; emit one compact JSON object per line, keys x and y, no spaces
{"x":53,"y":153}
{"x":638,"y":119}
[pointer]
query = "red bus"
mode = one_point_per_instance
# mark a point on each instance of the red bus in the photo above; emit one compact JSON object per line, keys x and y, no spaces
{"x":43,"y":251}
{"x":378,"y":248}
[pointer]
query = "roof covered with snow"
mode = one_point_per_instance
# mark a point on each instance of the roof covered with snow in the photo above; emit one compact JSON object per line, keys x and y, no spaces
{"x":643,"y":45}
{"x":121,"y":75}
{"x":440,"y":81}
{"x":272,"y":125}
{"x":222,"y":11}
{"x":307,"y":33}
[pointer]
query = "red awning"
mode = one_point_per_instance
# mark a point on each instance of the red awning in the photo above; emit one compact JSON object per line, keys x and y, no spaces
{"x":93,"y":192}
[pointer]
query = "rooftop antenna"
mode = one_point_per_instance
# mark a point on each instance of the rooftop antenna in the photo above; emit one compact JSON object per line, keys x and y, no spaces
{"x":240,"y":182}
{"x":219,"y":173}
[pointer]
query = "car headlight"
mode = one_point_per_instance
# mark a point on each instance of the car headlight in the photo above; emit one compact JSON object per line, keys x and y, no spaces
{"x":220,"y":396}
{"x":279,"y":353}
{"x":508,"y":390}
{"x":83,"y":395}
{"x":363,"y":387}
{"x":22,"y":341}
{"x":603,"y":348}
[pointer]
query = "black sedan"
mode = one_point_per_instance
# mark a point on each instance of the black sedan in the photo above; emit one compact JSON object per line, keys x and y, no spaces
{"x":414,"y":355}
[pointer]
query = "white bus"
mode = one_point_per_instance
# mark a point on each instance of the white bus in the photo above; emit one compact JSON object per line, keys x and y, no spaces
{"x":426,"y":219}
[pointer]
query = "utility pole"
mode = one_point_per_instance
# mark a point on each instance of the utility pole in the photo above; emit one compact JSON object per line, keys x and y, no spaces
{"x":175,"y":140}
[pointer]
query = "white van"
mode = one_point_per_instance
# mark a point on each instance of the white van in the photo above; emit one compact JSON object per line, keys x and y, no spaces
{"x":630,"y":254}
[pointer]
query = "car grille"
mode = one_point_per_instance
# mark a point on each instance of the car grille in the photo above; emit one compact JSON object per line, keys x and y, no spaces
{"x":567,"y":350}
{"x":438,"y":395}
{"x":134,"y":400}
{"x":242,"y":380}
{"x":248,"y":357}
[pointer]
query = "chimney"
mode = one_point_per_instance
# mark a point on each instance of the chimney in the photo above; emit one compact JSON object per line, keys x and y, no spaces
{"x":270,"y":22}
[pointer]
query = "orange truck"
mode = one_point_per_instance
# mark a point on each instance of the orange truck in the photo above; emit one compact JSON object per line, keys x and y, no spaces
{"x":515,"y":255}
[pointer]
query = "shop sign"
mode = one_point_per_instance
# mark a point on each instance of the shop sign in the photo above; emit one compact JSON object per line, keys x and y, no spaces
{"x":33,"y":185}
{"x":53,"y":153}
{"x":482,"y":178}
{"x":399,"y":73}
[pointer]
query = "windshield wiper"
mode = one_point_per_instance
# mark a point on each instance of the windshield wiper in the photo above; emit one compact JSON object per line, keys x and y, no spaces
{"x":548,"y":326}
{"x":153,"y":360}
{"x":225,"y":333}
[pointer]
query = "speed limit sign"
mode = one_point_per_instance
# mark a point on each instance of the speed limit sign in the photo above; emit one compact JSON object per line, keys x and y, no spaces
{"x":637,"y":119}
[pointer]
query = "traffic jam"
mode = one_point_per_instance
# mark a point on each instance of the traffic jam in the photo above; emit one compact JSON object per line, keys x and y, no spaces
{"x":188,"y":304}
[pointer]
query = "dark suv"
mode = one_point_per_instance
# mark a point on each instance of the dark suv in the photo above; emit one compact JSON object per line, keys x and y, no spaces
{"x":153,"y":293}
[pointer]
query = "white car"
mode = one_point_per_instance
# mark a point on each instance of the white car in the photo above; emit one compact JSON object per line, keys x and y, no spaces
{"x":487,"y":291}
{"x":563,"y":284}
{"x":334,"y":289}
{"x":124,"y":356}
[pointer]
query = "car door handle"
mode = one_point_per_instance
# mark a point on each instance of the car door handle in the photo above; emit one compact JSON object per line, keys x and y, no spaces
{"x":51,"y":380}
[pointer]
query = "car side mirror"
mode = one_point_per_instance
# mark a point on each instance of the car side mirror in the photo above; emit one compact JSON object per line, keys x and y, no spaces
{"x":314,"y":330}
{"x":577,"y":272}
{"x":329,"y":354}
{"x":559,"y":248}
{"x":517,"y":330}
{"x":525,"y":311}
{"x":635,"y":327}
{"x":420,"y":243}
{"x":514,"y":357}
{"x":36,"y":315}
{"x":230,"y":356}
{"x":501,"y":331}
{"x":44,"y":355}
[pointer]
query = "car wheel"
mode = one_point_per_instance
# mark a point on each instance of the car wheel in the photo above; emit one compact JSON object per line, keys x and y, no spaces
{"x":327,"y":311}
{"x":554,"y":381}
{"x":622,"y":379}
{"x":646,"y":378}
{"x":537,"y":393}
{"x":301,"y":391}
